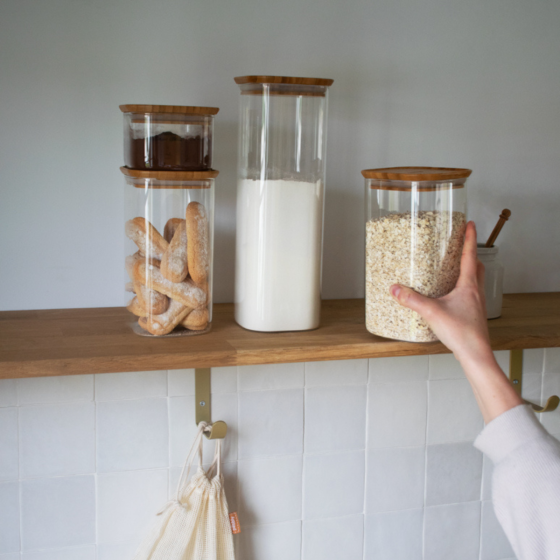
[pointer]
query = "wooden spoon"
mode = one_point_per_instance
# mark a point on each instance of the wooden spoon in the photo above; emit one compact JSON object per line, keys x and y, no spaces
{"x":504,"y":216}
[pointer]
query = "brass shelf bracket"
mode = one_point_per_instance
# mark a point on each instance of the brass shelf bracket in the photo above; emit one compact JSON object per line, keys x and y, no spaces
{"x":203,"y":413}
{"x":516,"y":378}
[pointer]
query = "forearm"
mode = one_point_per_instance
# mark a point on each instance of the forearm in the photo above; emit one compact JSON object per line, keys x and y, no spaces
{"x":491,"y":387}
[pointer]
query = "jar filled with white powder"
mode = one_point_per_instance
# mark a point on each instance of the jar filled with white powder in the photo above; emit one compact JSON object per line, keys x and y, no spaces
{"x":280,"y":202}
{"x":415,"y":227}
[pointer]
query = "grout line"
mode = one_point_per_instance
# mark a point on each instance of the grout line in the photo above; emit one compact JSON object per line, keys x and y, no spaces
{"x":366,"y":431}
{"x":426,"y":466}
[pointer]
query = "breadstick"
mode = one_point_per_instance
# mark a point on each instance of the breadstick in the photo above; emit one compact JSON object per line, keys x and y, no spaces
{"x":174,"y":261}
{"x":171,"y":227}
{"x":129,"y":287}
{"x":166,"y":322}
{"x":187,"y":292}
{"x":196,"y":320}
{"x":198,"y":249}
{"x":153,"y":302}
{"x":147,"y":237}
{"x":134,"y":306}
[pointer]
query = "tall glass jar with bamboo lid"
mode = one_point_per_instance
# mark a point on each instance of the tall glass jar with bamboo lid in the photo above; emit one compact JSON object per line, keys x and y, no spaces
{"x":415,"y":227}
{"x":280,"y":202}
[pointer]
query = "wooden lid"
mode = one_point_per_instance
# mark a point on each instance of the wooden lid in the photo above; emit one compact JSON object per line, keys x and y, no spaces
{"x":175,"y":109}
{"x":170,"y":175}
{"x":416,"y":173}
{"x":287,"y":80}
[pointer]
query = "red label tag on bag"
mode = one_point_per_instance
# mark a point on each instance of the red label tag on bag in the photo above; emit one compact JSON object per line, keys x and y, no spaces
{"x":234,"y":520}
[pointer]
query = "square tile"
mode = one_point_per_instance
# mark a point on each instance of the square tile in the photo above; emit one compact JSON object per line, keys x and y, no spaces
{"x":551,"y":386}
{"x":269,"y":377}
{"x":63,"y":388}
{"x":9,"y":517}
{"x":117,"y":551}
{"x":57,"y":439}
{"x":77,"y":553}
{"x":183,"y":430}
{"x":532,"y":386}
{"x":58,"y":512}
{"x":454,"y":474}
{"x":270,"y":423}
{"x":224,"y":380}
{"x":333,"y":485}
{"x":335,"y":418}
{"x":552,"y":360}
{"x":336,"y":372}
{"x":334,"y":539}
{"x":130,"y":385}
{"x":396,"y":370}
{"x":279,"y":541}
{"x":494,"y":543}
{"x":15,"y":556}
{"x":453,"y":414}
{"x":8,"y":394}
{"x":445,"y":366}
{"x":487,"y":473}
{"x":270,"y":490}
{"x":127,"y":504}
{"x":395,"y":536}
{"x":181,"y":382}
{"x":9,"y":463}
{"x":452,"y":531}
{"x":533,"y":361}
{"x":395,"y":479}
{"x":229,"y":472}
{"x":397,"y":414}
{"x":132,"y":435}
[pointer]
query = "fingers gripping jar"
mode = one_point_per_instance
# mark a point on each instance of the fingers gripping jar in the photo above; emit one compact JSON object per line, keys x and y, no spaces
{"x":415,"y":226}
{"x":169,"y":226}
{"x":280,"y":202}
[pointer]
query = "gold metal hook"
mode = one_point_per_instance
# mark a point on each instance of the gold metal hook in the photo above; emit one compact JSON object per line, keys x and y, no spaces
{"x":516,"y":378}
{"x":218,"y":429}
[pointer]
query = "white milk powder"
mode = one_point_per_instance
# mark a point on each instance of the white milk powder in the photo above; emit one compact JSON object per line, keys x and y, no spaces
{"x":278,"y":261}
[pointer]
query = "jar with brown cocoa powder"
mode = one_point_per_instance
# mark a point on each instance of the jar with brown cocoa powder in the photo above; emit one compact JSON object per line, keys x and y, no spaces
{"x":168,"y":137}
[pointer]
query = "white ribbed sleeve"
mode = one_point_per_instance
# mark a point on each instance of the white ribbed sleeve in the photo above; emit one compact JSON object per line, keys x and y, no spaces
{"x":525,"y":483}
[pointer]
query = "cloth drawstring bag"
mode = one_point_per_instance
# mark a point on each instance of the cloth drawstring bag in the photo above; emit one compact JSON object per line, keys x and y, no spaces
{"x":195,"y":525}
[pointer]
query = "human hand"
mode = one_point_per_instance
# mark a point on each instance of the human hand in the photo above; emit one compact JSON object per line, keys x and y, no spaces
{"x":459,"y":318}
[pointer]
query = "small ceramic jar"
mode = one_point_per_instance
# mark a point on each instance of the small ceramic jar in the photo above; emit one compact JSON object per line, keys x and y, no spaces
{"x":493,"y":280}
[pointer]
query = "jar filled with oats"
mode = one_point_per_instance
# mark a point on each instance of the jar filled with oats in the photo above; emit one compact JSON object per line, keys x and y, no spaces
{"x":415,"y":225}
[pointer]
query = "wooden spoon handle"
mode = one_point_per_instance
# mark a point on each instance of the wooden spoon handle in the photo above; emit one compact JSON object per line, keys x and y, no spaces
{"x":504,"y":216}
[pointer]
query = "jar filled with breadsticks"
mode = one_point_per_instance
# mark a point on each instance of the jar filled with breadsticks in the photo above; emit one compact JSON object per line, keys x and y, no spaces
{"x":169,"y":227}
{"x":415,"y":227}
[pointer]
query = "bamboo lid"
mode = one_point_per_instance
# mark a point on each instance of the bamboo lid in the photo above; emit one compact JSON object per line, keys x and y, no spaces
{"x":169,"y":109}
{"x":416,"y":173}
{"x":287,"y":80}
{"x":170,"y":175}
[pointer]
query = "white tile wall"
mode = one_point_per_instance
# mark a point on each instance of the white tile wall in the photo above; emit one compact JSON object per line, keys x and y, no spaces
{"x":350,"y":459}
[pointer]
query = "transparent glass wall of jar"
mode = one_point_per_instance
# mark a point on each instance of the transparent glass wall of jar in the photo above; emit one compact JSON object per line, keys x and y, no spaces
{"x":169,"y":237}
{"x":280,"y":202}
{"x":415,"y":226}
{"x":168,"y":137}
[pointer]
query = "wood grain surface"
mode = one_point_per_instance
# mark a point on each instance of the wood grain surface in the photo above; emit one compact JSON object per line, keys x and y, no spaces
{"x":82,"y":341}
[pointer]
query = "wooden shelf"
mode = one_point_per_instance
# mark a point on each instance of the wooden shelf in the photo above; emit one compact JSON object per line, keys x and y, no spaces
{"x":81,"y":341}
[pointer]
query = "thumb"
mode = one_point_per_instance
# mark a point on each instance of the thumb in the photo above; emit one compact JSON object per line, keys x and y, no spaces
{"x":407,"y":297}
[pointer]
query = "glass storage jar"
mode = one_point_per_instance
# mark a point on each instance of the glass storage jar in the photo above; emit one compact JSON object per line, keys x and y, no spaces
{"x":169,"y":228}
{"x":280,"y":202}
{"x":493,"y":280}
{"x":168,"y":137}
{"x":415,"y":226}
